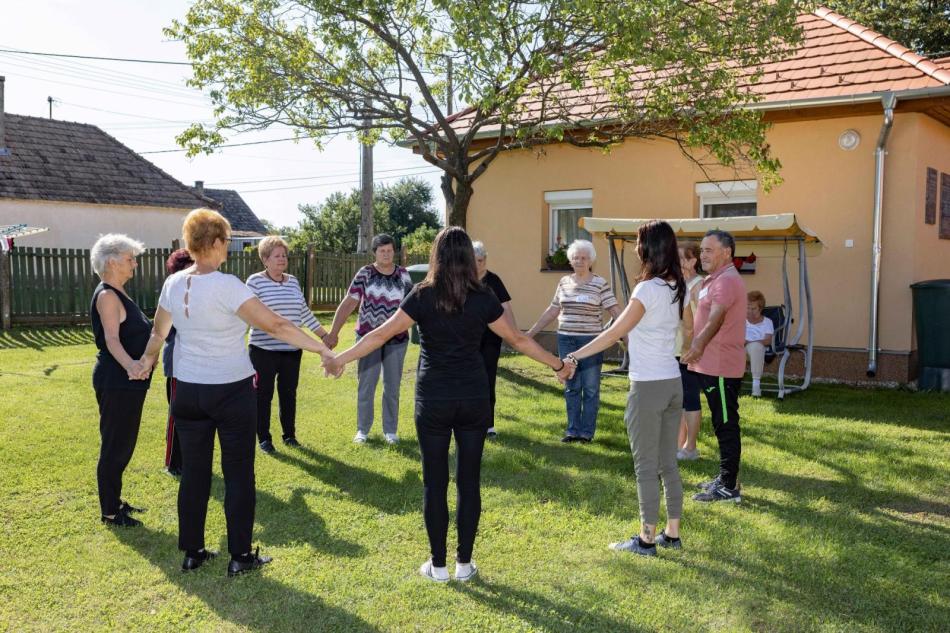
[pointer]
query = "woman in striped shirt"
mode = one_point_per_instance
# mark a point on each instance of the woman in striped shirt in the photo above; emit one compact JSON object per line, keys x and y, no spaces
{"x":578,"y":305}
{"x":273,"y":358}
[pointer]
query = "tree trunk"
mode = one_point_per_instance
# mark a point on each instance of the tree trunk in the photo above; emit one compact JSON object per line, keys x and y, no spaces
{"x":462,"y":196}
{"x":449,"y":193}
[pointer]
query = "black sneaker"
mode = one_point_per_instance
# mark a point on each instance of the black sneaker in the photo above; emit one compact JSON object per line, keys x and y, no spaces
{"x":268,"y":447}
{"x":712,"y":483}
{"x":492,"y":433}
{"x":121,"y":519}
{"x":129,"y":509}
{"x":719,"y":493}
{"x":255,"y":561}
{"x":664,"y":541}
{"x":192,"y":563}
{"x":291,"y":441}
{"x":568,"y":439}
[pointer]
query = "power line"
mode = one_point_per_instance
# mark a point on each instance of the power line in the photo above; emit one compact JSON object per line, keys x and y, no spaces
{"x":333,"y":175}
{"x":105,"y":59}
{"x":332,"y":184}
{"x":276,"y":140}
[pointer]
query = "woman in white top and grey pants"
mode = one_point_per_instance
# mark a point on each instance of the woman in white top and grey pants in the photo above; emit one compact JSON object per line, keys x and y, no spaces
{"x":655,"y":403}
{"x":215,"y":386}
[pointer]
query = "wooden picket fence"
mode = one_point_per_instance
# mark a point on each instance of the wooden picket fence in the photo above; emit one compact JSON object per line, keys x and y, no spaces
{"x":54,"y":286}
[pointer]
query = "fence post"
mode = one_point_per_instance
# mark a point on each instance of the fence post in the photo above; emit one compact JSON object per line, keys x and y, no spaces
{"x":176,"y":244}
{"x":6,"y":299}
{"x":311,"y":272}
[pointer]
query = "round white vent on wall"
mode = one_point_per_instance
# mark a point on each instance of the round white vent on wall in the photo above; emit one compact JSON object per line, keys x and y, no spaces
{"x":849,"y":140}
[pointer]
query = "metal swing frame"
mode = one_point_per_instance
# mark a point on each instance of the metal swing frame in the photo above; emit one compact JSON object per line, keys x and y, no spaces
{"x":619,"y":232}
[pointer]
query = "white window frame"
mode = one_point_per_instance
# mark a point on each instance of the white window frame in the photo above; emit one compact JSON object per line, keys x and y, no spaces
{"x":571,"y":199}
{"x":726,"y":192}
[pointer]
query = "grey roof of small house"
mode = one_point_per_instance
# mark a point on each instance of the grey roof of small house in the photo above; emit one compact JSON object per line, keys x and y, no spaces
{"x":236,"y":211}
{"x":77,"y":162}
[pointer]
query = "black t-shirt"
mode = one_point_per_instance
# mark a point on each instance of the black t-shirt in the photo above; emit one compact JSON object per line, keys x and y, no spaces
{"x":494,"y":283}
{"x":450,"y":364}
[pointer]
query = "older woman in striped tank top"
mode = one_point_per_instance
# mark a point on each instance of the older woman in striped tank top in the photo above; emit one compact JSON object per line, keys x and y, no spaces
{"x":579,"y":303}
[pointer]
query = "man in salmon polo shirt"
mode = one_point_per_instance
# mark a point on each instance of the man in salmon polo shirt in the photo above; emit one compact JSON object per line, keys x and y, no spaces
{"x":717,"y":354}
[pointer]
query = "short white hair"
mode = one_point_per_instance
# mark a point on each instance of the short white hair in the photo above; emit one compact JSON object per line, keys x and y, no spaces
{"x":111,"y":247}
{"x":479,"y":247}
{"x":582,"y":245}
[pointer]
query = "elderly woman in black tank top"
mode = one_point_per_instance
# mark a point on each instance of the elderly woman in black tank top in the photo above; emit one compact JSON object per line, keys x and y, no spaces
{"x":121,"y":331}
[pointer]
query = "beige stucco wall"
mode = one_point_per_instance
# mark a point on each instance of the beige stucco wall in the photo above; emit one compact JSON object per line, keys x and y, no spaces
{"x":831,"y":191}
{"x":74,"y":225}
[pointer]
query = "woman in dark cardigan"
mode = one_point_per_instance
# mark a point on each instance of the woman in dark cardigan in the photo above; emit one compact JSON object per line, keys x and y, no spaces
{"x":178,"y":260}
{"x":121,"y":331}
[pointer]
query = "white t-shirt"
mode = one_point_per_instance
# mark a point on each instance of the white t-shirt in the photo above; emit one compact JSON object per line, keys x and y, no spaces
{"x":651,"y":342}
{"x":209,"y":341}
{"x":758,"y":331}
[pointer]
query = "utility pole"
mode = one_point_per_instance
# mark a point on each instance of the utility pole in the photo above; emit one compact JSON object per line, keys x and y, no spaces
{"x":449,"y":107}
{"x":50,"y":100}
{"x":366,"y":186}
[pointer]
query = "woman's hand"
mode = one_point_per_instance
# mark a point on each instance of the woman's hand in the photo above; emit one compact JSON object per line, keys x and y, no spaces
{"x":332,"y":365}
{"x":566,"y":372}
{"x":140,"y":369}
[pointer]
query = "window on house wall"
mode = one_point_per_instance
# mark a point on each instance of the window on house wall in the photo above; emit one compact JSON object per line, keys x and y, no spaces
{"x":727,"y":199}
{"x":566,"y":209}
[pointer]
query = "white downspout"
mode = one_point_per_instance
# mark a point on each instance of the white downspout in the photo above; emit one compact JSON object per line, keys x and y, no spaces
{"x":889,"y":101}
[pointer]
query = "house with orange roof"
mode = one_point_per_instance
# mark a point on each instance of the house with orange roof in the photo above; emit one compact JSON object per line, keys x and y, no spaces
{"x":861,"y":126}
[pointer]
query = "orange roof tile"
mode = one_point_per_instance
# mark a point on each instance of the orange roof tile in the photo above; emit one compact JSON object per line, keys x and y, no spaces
{"x":836,"y":57}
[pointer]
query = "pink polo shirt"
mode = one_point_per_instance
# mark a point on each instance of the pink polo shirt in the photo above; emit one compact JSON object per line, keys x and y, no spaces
{"x":725,"y":353}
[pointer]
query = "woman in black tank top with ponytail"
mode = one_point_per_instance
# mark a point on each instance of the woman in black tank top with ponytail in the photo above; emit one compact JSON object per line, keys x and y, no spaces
{"x":121,"y":331}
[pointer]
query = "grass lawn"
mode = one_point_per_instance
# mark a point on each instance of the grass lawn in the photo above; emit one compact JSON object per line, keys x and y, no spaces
{"x":844,"y":525}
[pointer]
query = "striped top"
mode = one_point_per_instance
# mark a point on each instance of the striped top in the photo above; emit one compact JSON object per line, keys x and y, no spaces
{"x":286,"y":299}
{"x":379,"y":296}
{"x":582,"y":305}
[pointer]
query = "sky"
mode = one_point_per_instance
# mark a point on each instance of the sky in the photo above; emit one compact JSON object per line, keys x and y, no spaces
{"x":146,"y":105}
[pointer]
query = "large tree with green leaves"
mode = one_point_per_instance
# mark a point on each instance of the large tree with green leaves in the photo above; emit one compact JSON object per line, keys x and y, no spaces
{"x":587,"y":72}
{"x":922,"y":25}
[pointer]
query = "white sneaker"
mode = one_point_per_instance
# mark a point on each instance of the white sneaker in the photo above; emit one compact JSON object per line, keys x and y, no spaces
{"x":438,"y":574}
{"x":360,"y":437}
{"x":391,"y":438}
{"x":465,"y":571}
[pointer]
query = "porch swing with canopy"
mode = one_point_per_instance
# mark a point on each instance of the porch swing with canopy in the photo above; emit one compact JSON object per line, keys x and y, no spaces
{"x":771,"y":236}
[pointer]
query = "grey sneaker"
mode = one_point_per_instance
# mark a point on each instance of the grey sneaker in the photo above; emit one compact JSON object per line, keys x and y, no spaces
{"x":634,"y":546}
{"x":683,"y":454}
{"x":712,"y":483}
{"x":664,"y":541}
{"x":719,"y":493}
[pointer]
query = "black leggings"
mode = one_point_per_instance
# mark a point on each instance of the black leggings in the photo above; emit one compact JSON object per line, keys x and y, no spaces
{"x":231,"y":410}
{"x":172,"y":443}
{"x":285,"y":367}
{"x":490,"y":354}
{"x":436,"y":420}
{"x":120,"y":414}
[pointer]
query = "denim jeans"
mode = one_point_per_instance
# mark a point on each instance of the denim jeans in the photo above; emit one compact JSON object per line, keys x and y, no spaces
{"x":582,"y":392}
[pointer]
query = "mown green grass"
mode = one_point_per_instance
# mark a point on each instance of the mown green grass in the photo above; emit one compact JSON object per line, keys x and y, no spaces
{"x":845,"y":523}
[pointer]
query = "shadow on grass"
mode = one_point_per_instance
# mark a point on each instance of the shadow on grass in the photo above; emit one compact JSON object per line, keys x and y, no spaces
{"x":362,"y":485}
{"x":39,"y":338}
{"x":553,"y":388}
{"x":541,"y":612}
{"x":924,"y":411}
{"x":255,"y":601}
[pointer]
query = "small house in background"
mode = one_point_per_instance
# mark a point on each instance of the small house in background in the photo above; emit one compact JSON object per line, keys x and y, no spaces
{"x":81,"y":183}
{"x":844,"y":96}
{"x":246,"y":228}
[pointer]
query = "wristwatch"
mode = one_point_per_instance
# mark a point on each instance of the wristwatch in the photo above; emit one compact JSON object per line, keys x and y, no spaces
{"x":570,"y":358}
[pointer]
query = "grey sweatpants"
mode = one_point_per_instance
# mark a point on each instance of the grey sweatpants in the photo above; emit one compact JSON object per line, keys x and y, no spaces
{"x":653,"y":415}
{"x":388,"y":359}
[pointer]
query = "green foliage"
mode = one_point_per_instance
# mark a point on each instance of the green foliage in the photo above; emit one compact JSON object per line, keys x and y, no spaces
{"x":586,"y":72}
{"x":844,"y":524}
{"x":398,"y":209}
{"x":921,"y":25}
{"x":419,"y":242}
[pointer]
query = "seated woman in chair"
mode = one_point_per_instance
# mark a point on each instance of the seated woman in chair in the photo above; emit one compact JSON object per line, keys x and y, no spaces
{"x":758,"y":337}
